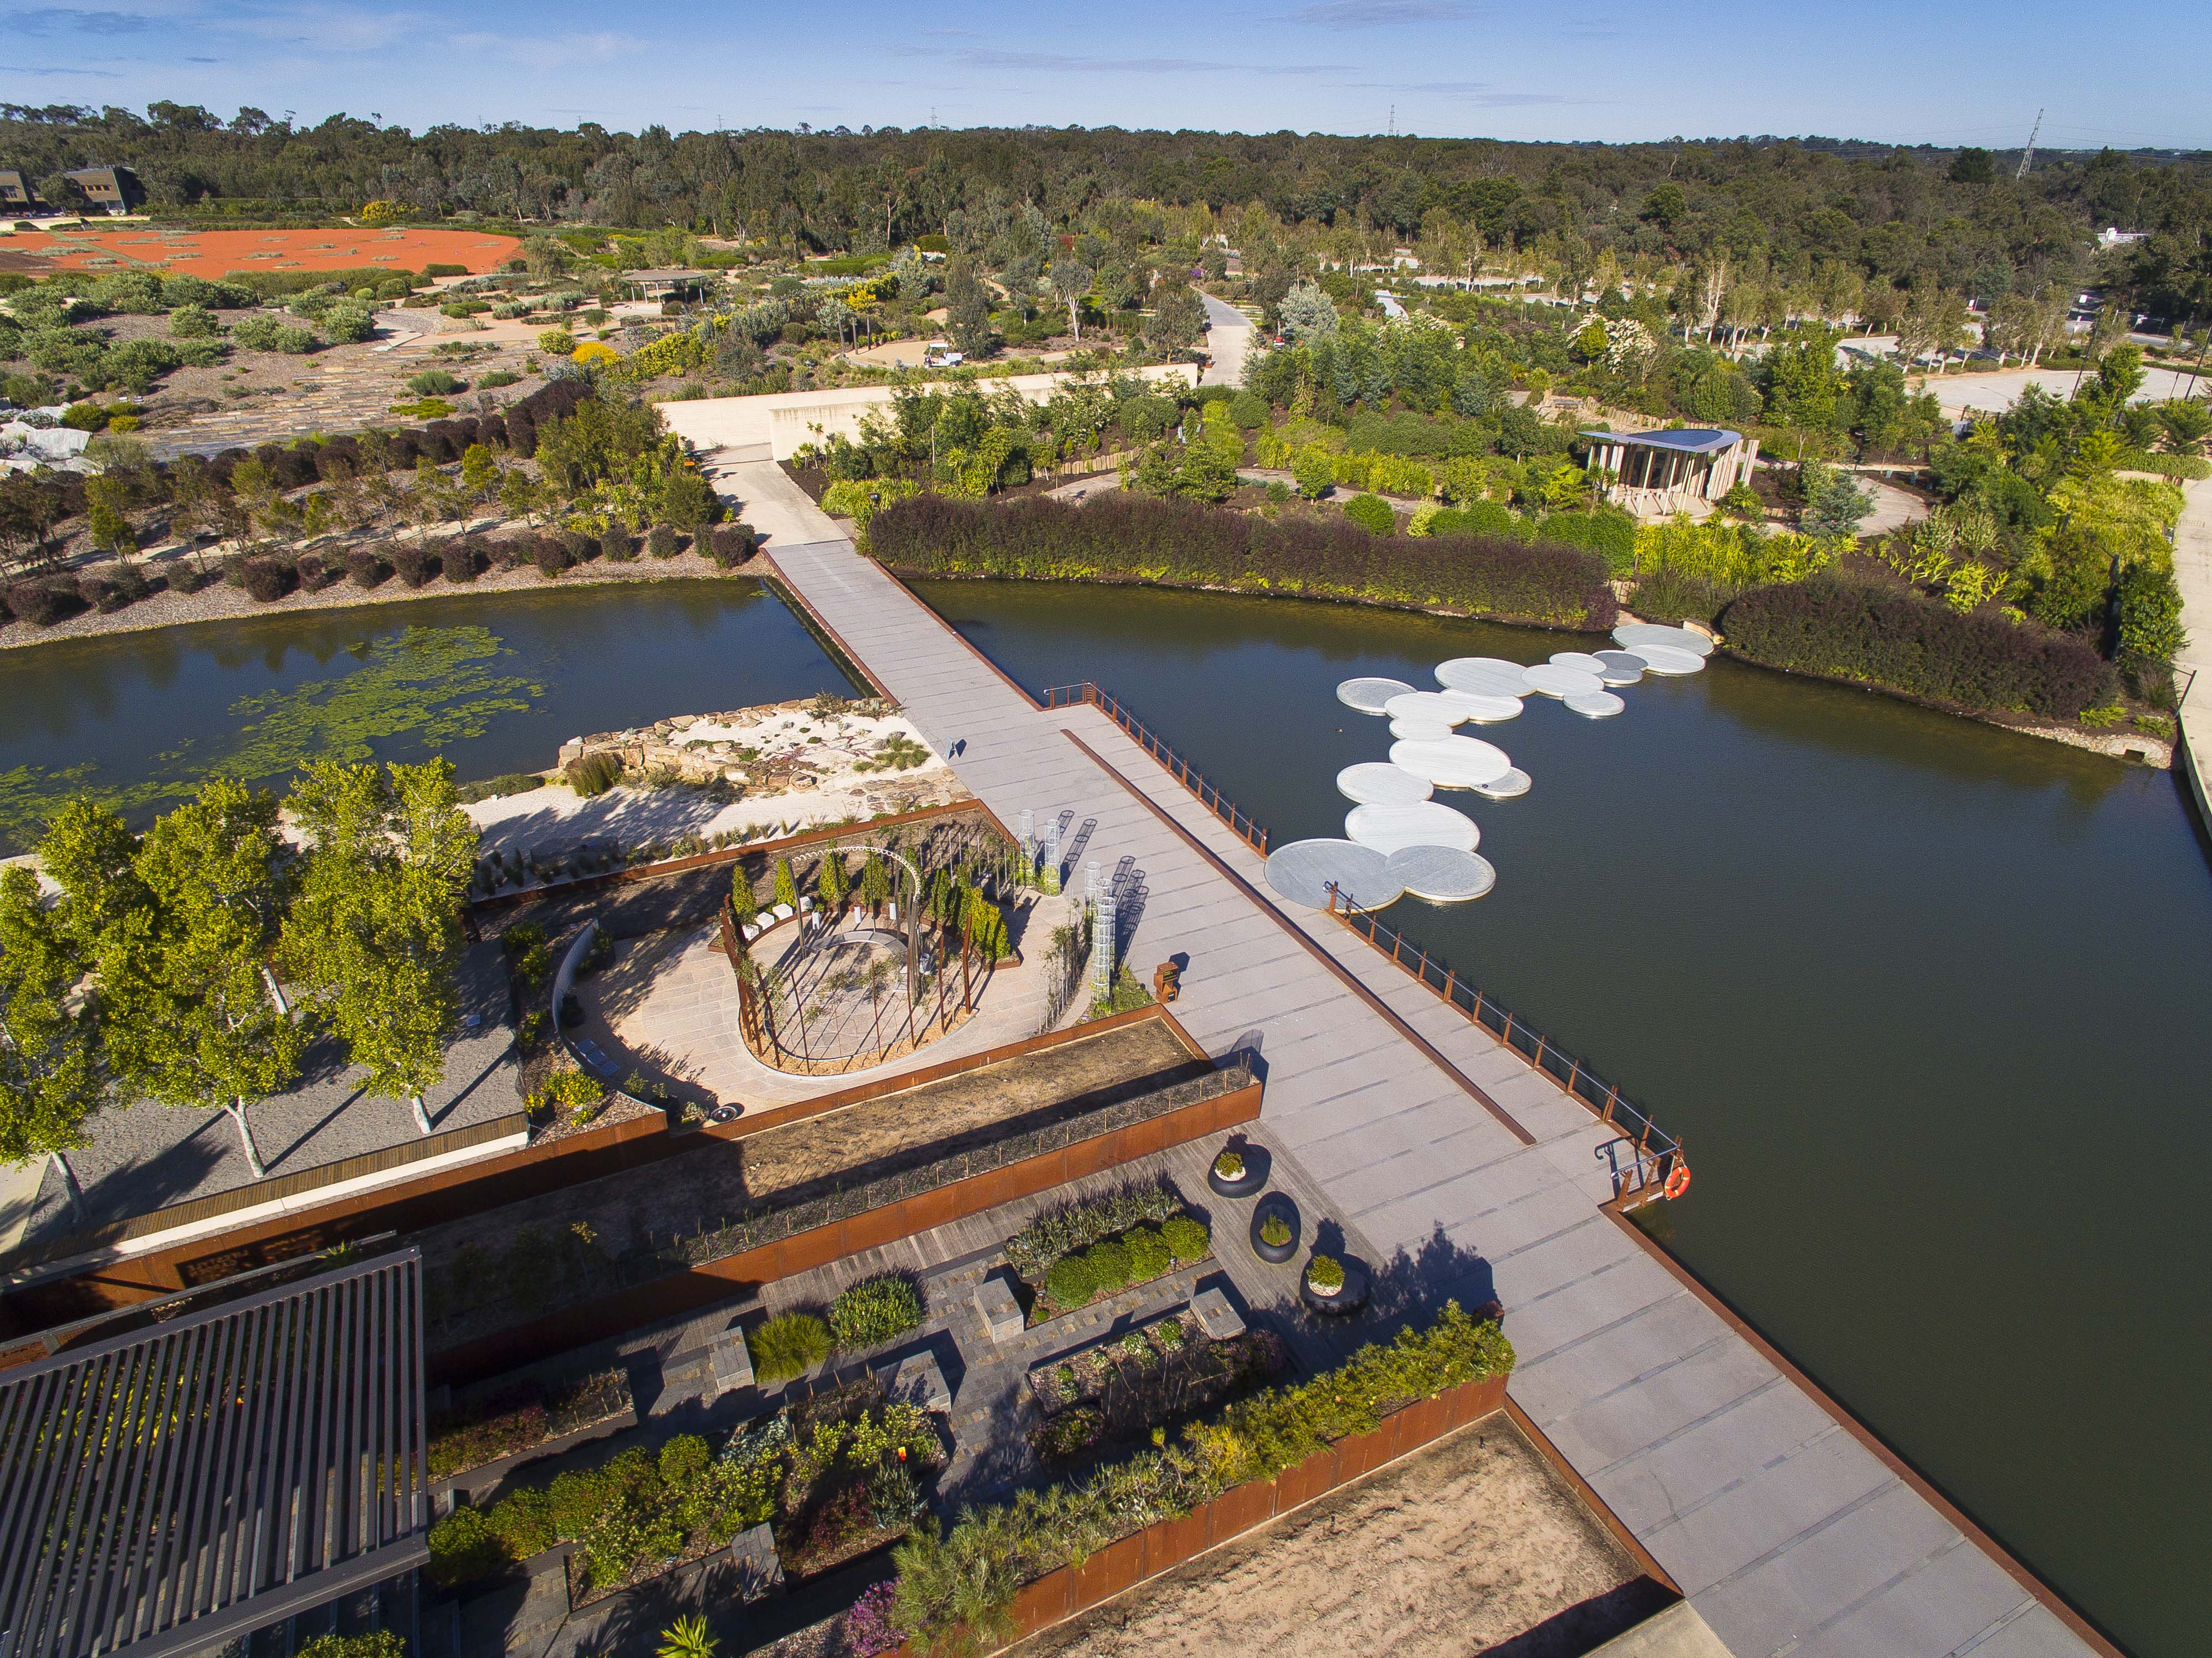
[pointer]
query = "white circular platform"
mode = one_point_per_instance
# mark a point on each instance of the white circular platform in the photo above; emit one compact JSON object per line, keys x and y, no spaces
{"x":1621,"y":667}
{"x":1440,"y":874}
{"x":1511,"y":786}
{"x":1485,"y":709}
{"x":1368,"y":696}
{"x":1426,"y":824}
{"x":1582,"y":660}
{"x":1637,"y":635}
{"x":1302,"y":871}
{"x":1411,"y":730}
{"x":1595,"y":705}
{"x":1425,"y":705}
{"x":1555,"y":681}
{"x":1457,"y":762}
{"x":1660,"y":659}
{"x":1374,"y":783}
{"x":1486,"y":676}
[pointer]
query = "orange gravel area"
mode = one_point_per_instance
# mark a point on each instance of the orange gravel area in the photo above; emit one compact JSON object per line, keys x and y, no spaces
{"x":216,"y":254}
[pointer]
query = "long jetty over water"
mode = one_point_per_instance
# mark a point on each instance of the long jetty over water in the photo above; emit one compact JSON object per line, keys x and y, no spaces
{"x":1789,"y":1527}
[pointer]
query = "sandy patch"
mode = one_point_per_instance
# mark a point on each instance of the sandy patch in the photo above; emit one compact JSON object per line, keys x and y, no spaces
{"x":1446,"y":1553}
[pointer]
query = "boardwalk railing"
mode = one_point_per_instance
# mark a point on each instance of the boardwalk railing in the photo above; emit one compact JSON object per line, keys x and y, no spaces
{"x":1065,"y":697}
{"x":1658,"y":1160}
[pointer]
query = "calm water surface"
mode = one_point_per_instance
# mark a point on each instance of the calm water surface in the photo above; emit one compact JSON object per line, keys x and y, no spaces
{"x":497,"y":683}
{"x":1926,"y":1003}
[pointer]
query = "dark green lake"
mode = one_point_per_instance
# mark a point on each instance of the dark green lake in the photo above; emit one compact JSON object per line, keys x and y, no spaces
{"x":495,"y":682}
{"x":1925,"y":1001}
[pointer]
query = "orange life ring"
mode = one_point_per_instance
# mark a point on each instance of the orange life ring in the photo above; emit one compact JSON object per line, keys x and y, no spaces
{"x":1679,"y":1182}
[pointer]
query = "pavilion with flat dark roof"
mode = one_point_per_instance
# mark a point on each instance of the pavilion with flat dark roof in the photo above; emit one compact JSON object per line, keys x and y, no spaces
{"x":1656,"y":473}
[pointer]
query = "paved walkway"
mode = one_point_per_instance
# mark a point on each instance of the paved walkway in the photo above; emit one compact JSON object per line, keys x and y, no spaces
{"x":2192,"y":570}
{"x":1787,"y":1532}
{"x":1228,"y":337}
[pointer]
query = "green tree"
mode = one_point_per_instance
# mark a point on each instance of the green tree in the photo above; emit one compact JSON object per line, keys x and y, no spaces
{"x":518,"y":496}
{"x":479,"y":472}
{"x":1804,"y":388}
{"x":968,"y":308}
{"x":2150,"y":631}
{"x":374,"y":935}
{"x":831,"y":882}
{"x":1071,"y":285}
{"x":92,"y":855}
{"x":49,"y":1079}
{"x":787,"y":885}
{"x":192,"y":1015}
{"x":742,"y":905}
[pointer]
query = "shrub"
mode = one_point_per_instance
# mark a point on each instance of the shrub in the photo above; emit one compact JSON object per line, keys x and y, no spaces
{"x":683,"y":1457}
{"x":575,"y":1499}
{"x":364,"y":569}
{"x":458,"y":562}
{"x":875,"y":1310}
{"x":595,"y":774}
{"x":1274,"y":1231}
{"x":100,"y":593}
{"x":1149,"y":1255}
{"x":660,"y":542}
{"x":1071,"y":1434}
{"x":497,"y":377}
{"x":412,"y":563}
{"x":1921,"y":646}
{"x":1061,"y":1231}
{"x":524,"y":1522}
{"x":732,"y":544}
{"x":267,"y":579}
{"x":1109,"y":1265}
{"x":40,"y":603}
{"x":788,"y":1347}
{"x":1371,"y":513}
{"x":548,"y":555}
{"x":267,"y":334}
{"x":1069,"y":1283}
{"x":1187,"y":1239}
{"x":314,"y":574}
{"x":370,"y":1643}
{"x":1325,"y":1273}
{"x":464,"y":1548}
{"x":615,"y":545}
{"x":1123,"y":535}
{"x":1229,"y":1166}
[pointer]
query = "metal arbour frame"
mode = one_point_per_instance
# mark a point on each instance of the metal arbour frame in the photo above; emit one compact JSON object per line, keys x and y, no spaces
{"x":168,"y":1490}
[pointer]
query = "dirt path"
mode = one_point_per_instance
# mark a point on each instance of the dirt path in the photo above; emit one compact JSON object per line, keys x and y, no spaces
{"x":1466,"y":1545}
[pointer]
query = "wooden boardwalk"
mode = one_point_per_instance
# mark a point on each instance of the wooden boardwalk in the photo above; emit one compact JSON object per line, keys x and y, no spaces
{"x":1436,"y":1146}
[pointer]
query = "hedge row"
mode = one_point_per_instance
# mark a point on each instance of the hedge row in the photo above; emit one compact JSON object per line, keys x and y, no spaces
{"x":1903,"y":641}
{"x":1125,"y":537}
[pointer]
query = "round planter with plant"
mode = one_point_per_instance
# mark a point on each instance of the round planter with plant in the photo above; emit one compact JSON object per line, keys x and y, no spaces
{"x":1275,"y":1232}
{"x":1332,"y":1286}
{"x":1238,"y":1172}
{"x":1325,"y":1276}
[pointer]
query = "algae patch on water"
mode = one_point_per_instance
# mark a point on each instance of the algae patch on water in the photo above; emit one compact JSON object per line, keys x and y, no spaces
{"x":413,"y":691}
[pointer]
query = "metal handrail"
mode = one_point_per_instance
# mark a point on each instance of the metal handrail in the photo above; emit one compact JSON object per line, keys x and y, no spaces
{"x":1658,"y":1154}
{"x":1063,"y":697}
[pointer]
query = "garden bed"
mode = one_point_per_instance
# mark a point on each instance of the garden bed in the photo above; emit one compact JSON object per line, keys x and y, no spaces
{"x":511,"y":1421}
{"x":1068,"y":1257}
{"x":1154,"y":1377}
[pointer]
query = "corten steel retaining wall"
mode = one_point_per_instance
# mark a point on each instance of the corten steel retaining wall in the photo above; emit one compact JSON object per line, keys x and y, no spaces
{"x":1167,"y":1544}
{"x":488,"y":1183}
{"x":746,"y":1270}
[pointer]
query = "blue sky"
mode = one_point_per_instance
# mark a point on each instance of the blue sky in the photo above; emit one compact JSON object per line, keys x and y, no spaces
{"x":1945,"y":74}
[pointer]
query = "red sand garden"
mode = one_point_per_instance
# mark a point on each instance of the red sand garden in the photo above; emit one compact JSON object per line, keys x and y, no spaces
{"x":216,"y":254}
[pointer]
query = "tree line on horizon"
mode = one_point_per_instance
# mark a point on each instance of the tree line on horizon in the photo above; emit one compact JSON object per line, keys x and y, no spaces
{"x":1956,"y":217}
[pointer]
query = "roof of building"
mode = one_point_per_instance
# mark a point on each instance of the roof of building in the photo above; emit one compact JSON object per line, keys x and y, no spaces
{"x":1695,"y":440}
{"x":670,"y":276}
{"x":166,"y":1490}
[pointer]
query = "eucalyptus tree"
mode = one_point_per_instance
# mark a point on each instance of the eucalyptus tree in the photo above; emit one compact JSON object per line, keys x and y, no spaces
{"x":1071,"y":285}
{"x":374,"y":938}
{"x":192,"y":1018}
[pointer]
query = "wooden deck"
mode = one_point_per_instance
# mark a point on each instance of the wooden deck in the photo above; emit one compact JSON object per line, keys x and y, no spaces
{"x":1445,"y":1150}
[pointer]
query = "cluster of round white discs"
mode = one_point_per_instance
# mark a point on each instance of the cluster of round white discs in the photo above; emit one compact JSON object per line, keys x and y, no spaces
{"x":1398,"y":839}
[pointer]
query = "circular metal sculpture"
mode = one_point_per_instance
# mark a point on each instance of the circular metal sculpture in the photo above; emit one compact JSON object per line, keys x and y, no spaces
{"x":1456,"y":762}
{"x":1414,"y":729}
{"x":1637,"y":635}
{"x":1368,"y":696}
{"x":1621,"y":667}
{"x":1661,"y":659}
{"x":1595,"y":705}
{"x":1391,"y":830}
{"x":1302,"y":871}
{"x":1582,"y":660}
{"x":1483,"y":707}
{"x":1510,"y":786}
{"x":1555,"y":681}
{"x":1486,"y":676}
{"x":1425,"y":705}
{"x":1441,"y":874}
{"x":1374,"y":783}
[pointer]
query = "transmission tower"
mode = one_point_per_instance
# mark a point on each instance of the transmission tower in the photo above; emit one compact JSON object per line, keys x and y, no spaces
{"x":2028,"y":155}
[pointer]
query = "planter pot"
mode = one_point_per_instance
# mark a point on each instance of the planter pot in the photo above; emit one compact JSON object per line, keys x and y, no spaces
{"x":1251,"y":1182}
{"x":1269,"y":1251}
{"x":1349,"y":1298}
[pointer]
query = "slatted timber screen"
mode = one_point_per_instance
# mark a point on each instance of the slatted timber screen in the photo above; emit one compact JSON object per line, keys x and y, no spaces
{"x":165,"y":1491}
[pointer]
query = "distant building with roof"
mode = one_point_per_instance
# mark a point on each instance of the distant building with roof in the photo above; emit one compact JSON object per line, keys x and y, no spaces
{"x":115,"y":189}
{"x":1662,"y":472}
{"x":15,"y":190}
